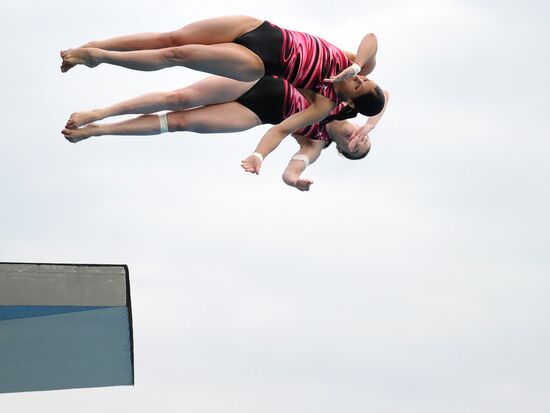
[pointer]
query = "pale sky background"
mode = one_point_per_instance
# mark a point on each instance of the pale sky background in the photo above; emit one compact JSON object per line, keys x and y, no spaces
{"x":415,"y":280}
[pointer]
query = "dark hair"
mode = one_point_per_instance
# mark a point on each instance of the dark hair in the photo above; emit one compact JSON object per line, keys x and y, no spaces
{"x":345,"y":113}
{"x":369,"y":104}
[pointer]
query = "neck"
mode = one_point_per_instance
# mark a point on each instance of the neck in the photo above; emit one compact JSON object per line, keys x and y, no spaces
{"x":338,"y":89}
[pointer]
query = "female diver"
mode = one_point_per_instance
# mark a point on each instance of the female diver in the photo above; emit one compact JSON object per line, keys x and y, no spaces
{"x":218,"y":105}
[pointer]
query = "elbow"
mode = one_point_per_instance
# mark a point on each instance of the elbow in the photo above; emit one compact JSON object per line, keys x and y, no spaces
{"x":371,"y":36}
{"x":280,"y":132}
{"x":289,"y":178}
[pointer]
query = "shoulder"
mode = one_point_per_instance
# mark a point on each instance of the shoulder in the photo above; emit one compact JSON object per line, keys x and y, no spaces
{"x":323,"y":103}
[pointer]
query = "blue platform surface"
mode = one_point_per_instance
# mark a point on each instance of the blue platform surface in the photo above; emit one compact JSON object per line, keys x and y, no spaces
{"x":68,"y":348}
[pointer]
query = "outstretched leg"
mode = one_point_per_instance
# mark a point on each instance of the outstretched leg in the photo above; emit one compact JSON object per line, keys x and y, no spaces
{"x":210,"y":31}
{"x":222,"y":118}
{"x":227,"y":59}
{"x":209,"y":91}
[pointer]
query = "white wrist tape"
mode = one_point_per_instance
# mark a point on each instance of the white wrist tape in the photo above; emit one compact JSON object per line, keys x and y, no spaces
{"x":259,"y":156}
{"x":300,"y":157}
{"x":163,"y":123}
{"x":356,"y":68}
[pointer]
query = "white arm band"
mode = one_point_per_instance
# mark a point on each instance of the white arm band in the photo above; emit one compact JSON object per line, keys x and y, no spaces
{"x":163,"y":123}
{"x":301,"y":157}
{"x":259,"y":156}
{"x":356,"y":68}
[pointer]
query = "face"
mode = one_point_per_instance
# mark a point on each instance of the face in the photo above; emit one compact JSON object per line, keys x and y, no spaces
{"x":354,"y":86}
{"x":342,"y":133}
{"x":360,"y":148}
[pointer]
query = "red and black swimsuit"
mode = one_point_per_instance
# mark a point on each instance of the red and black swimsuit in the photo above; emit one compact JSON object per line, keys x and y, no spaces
{"x":274,"y":99}
{"x":302,"y":59}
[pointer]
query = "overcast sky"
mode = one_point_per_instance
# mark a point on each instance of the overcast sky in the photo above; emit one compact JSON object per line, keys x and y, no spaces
{"x":415,"y":280}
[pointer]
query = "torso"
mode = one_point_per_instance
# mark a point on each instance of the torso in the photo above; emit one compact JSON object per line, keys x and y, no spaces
{"x":273,"y":99}
{"x":308,"y":60}
{"x":296,"y":101}
{"x":302,"y":59}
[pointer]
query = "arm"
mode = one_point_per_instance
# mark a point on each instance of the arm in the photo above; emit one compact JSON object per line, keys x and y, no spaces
{"x":364,"y":60}
{"x":372,"y":121}
{"x":317,"y":111}
{"x":366,"y":54}
{"x":310,"y":148}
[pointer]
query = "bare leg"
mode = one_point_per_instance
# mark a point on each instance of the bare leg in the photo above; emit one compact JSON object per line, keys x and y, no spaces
{"x":222,"y":118}
{"x":210,"y":31}
{"x":209,"y":91}
{"x":227,"y":59}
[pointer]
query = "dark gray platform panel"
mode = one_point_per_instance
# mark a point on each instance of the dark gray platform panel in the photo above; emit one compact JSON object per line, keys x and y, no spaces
{"x":78,"y":333}
{"x":52,"y":284}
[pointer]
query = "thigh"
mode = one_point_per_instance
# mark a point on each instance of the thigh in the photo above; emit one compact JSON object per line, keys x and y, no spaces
{"x":216,"y":30}
{"x":221,"y":118}
{"x":213,"y":90}
{"x":225,"y":59}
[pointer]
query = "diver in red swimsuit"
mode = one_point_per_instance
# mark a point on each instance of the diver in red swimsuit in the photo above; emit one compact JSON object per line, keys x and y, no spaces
{"x":245,"y":48}
{"x":217,"y":105}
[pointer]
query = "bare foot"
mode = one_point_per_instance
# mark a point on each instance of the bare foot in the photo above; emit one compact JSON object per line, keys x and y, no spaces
{"x":79,"y":56}
{"x":77,"y":135}
{"x":78,"y":119}
{"x":64,"y":65}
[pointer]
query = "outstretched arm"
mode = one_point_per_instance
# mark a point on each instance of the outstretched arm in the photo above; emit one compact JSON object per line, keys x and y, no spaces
{"x":308,"y":153}
{"x":317,"y":111}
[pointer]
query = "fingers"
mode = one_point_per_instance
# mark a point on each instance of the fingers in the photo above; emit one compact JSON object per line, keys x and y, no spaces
{"x":248,"y":167}
{"x":353,"y":142}
{"x":303,"y":184}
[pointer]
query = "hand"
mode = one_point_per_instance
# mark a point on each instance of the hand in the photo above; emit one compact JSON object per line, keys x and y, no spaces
{"x":359,"y":135}
{"x":303,"y":184}
{"x":251,"y":164}
{"x":343,"y":75}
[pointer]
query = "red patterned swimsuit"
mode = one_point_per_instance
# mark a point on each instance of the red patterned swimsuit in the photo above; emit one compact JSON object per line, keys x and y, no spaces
{"x":302,"y":59}
{"x":295,"y":102}
{"x":309,"y":60}
{"x":273,"y":99}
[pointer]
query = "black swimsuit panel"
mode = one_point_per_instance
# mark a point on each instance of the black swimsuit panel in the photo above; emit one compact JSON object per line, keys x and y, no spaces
{"x":266,"y":41}
{"x":266,"y":99}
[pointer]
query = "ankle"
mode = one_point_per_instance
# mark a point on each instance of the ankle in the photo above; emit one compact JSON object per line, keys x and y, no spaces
{"x":93,"y":43}
{"x":98,"y":114}
{"x":93,"y":129}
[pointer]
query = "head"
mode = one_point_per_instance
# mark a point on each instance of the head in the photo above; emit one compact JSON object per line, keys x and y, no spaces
{"x":341,"y":133}
{"x":362,"y":93}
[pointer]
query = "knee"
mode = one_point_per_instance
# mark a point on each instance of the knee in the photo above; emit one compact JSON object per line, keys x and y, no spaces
{"x":178,"y":100}
{"x":186,"y":122}
{"x":175,"y":123}
{"x":179,"y":55}
{"x":171,"y":39}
